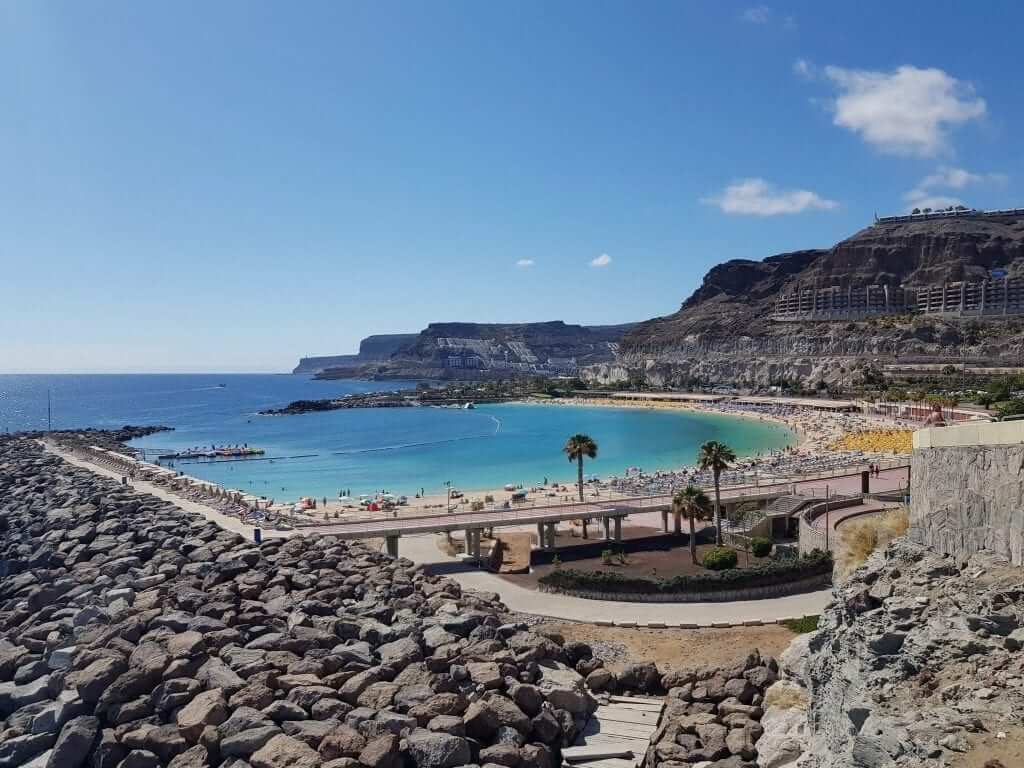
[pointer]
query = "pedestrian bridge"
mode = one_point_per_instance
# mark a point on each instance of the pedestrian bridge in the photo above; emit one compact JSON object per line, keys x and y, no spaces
{"x":607,"y":513}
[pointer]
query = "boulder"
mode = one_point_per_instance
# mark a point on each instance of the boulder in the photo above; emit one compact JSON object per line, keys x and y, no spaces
{"x":207,"y":708}
{"x":285,"y":752}
{"x":74,"y":743}
{"x":429,"y":749}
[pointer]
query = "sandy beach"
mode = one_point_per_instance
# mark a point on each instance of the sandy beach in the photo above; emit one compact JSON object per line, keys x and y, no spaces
{"x":815,"y":432}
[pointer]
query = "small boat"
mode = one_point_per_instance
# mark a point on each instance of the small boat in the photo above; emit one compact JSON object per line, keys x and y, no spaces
{"x":468,"y":407}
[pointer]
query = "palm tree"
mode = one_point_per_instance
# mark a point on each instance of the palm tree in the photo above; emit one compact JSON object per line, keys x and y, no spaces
{"x":716,"y":456}
{"x":576,"y":447}
{"x":692,"y":503}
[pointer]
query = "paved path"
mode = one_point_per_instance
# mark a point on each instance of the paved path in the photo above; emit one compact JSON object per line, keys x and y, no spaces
{"x":422,"y":548}
{"x":226,"y":522}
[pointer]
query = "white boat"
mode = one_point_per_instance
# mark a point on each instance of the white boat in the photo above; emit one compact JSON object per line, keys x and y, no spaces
{"x":468,"y":407}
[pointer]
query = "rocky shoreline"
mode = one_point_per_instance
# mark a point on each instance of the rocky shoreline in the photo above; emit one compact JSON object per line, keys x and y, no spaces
{"x":133,"y":635}
{"x":108,"y":439}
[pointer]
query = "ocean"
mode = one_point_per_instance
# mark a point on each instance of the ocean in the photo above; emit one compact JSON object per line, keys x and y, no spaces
{"x":400,"y":450}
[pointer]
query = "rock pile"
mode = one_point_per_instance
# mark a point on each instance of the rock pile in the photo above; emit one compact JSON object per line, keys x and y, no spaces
{"x":137,"y":636}
{"x":712,"y":716}
{"x":917,"y":662}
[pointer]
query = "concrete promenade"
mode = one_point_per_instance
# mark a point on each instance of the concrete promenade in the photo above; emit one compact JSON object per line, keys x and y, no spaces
{"x":422,"y":549}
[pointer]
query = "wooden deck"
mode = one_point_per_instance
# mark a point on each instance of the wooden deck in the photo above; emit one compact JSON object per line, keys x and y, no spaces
{"x":617,"y":734}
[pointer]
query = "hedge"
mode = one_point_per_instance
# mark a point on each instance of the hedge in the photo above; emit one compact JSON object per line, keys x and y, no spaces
{"x":767,"y":574}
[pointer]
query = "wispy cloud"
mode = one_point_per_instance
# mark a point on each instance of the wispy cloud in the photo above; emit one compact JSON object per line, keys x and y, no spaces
{"x":525,"y":263}
{"x":805,"y":69}
{"x":908,"y":111}
{"x":601,"y":261}
{"x":758,"y":14}
{"x":757,"y":197}
{"x":927,"y":193}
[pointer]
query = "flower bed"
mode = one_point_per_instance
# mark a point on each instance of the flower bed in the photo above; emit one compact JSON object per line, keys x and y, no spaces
{"x":771,"y":574}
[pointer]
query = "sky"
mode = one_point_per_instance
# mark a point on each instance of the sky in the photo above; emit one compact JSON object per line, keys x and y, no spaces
{"x":228,"y":186}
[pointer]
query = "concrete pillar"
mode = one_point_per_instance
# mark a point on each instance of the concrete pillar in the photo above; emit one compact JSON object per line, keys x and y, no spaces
{"x":392,"y":545}
{"x":550,"y":535}
{"x":865,"y":482}
{"x":618,"y":529}
{"x":540,"y":536}
{"x":664,"y":520}
{"x":585,"y":521}
{"x":607,"y":528}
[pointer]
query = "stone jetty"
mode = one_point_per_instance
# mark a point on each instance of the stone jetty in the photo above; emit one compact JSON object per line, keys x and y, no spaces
{"x":134,"y":635}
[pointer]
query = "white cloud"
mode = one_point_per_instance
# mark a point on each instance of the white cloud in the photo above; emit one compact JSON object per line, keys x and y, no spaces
{"x":756,"y":197}
{"x":907,"y":111}
{"x":759,"y":14}
{"x":524,"y":263}
{"x":935,"y":202}
{"x":924,"y":194}
{"x":805,"y":69}
{"x":601,"y":261}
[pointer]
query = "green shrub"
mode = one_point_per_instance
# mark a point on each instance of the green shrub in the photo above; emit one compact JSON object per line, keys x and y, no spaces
{"x":606,"y":556}
{"x":766,"y":574}
{"x":760,"y":546}
{"x":720,"y":559}
{"x":803,"y":625}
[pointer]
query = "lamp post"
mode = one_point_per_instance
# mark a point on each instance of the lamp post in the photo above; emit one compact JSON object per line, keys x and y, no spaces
{"x":826,"y":518}
{"x":448,"y":485}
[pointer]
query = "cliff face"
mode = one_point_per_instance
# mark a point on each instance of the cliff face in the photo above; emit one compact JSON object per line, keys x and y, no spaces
{"x":371,"y":349}
{"x":481,"y":350}
{"x":724,"y":333}
{"x":737,"y":297}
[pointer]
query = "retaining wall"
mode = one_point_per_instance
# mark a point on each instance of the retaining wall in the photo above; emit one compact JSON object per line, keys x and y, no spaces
{"x":808,"y":584}
{"x":967,"y":490}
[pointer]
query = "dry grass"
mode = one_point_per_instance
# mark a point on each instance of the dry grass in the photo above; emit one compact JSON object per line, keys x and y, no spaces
{"x":859,"y":538}
{"x":785,"y":695}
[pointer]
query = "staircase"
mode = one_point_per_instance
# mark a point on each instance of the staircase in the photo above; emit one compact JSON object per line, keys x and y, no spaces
{"x":787,"y":506}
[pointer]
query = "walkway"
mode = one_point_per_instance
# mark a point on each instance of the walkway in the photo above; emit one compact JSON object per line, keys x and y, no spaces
{"x":422,"y":549}
{"x":227,"y":522}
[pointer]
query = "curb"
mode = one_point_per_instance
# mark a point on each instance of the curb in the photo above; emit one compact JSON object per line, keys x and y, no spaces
{"x":684,"y":625}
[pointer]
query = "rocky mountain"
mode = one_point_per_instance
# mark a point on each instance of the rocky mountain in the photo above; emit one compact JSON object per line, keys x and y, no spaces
{"x":489,"y":350}
{"x":372,"y":349}
{"x":724,"y":332}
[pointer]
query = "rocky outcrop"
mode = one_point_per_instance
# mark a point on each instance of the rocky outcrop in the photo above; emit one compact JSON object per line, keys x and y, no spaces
{"x":133,"y":634}
{"x":917,"y":662}
{"x":712,"y":716}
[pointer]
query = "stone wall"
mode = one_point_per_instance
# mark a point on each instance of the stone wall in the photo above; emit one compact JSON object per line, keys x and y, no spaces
{"x":968,"y":498}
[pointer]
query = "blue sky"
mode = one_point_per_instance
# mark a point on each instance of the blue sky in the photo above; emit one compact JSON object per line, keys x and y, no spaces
{"x":227,"y":186}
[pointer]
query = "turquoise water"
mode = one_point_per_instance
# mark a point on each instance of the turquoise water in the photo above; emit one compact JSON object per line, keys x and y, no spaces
{"x":365,"y":450}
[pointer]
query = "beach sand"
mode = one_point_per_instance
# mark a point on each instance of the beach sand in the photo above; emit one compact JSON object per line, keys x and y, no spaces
{"x":815,"y":433}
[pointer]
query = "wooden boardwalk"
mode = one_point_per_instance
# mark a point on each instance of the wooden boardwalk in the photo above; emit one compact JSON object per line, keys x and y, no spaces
{"x":617,"y":734}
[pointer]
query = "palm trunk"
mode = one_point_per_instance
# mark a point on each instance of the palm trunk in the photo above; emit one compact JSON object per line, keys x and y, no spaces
{"x":718,"y":514}
{"x":693,"y":541}
{"x":579,"y":467}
